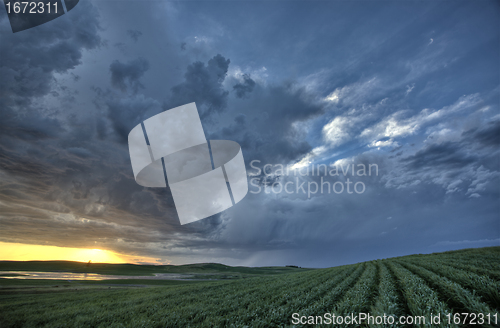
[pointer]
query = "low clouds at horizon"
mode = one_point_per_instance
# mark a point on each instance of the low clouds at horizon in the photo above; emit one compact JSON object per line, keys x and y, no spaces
{"x":413,"y":87}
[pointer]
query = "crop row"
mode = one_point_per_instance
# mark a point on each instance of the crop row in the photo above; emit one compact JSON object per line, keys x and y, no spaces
{"x":358,"y":298}
{"x":421,"y":300}
{"x":462,"y":299}
{"x":326,"y":303}
{"x":388,"y":301}
{"x":482,"y":285}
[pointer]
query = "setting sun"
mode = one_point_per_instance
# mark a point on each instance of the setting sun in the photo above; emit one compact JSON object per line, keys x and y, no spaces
{"x":25,"y":252}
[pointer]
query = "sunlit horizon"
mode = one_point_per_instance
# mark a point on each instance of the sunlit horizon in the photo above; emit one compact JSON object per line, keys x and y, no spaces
{"x":29,"y":252}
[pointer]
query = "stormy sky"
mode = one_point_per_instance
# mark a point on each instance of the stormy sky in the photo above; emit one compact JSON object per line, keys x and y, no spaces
{"x":411,"y":86}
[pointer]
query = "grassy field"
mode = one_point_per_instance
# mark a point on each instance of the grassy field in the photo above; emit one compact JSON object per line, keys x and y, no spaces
{"x":466,"y":281}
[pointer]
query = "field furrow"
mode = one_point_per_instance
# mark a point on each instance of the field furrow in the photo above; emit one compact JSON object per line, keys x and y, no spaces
{"x":421,"y":299}
{"x":388,"y":301}
{"x":358,"y":298}
{"x":475,"y":266}
{"x":336,"y":285}
{"x":483,"y":286}
{"x":457,"y":297}
{"x":325,"y":304}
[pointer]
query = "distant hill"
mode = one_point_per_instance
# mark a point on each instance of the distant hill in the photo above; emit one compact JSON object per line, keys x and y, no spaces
{"x":135,"y":269}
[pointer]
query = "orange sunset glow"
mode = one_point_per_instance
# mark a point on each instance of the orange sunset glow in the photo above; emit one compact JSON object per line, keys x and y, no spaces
{"x":26,"y":252}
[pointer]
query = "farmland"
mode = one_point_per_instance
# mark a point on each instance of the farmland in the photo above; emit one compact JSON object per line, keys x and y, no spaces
{"x":449,"y":284}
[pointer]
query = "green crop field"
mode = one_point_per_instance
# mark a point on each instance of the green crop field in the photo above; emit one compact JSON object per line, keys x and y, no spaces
{"x":461,"y":286}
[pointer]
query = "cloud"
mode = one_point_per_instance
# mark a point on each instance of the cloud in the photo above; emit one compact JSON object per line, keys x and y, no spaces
{"x":439,"y":155}
{"x":203,"y":85}
{"x":462,"y":166}
{"x":409,"y":88}
{"x":29,"y":62}
{"x":125,"y":76}
{"x":488,"y":135}
{"x":246,"y":87}
{"x":337,"y":131}
{"x":281,"y":109}
{"x":354,"y":93}
{"x":399,"y":125}
{"x":65,"y":177}
{"x":348,"y":125}
{"x":125,"y":113}
{"x":134,"y":34}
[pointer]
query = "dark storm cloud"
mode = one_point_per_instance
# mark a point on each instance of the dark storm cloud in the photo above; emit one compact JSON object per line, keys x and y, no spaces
{"x":97,"y":198}
{"x":31,"y":128}
{"x":29,"y":60}
{"x":283,"y":105}
{"x":245,"y":87}
{"x":97,"y":182}
{"x":488,"y":136}
{"x":439,"y":155}
{"x":134,"y":34}
{"x":269,"y":133}
{"x":53,"y":171}
{"x":125,"y":76}
{"x":203,"y":85}
{"x":125,"y":113}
